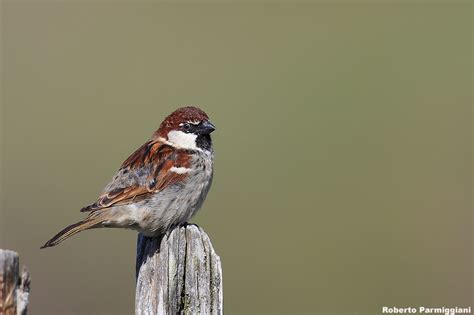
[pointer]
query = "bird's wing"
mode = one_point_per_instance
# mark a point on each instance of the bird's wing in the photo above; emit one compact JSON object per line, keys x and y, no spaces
{"x":148,"y":170}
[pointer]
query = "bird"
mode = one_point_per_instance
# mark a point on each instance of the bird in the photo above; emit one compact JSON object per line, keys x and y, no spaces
{"x":159,"y":186}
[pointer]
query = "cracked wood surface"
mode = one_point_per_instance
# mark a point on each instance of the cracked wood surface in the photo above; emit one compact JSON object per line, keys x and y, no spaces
{"x":178,"y":274}
{"x":14,"y":288}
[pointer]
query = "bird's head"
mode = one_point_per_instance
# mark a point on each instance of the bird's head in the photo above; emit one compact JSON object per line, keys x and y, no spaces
{"x":187,"y":128}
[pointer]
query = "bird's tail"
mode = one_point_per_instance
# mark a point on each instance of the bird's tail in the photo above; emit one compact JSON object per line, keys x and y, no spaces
{"x":89,"y":223}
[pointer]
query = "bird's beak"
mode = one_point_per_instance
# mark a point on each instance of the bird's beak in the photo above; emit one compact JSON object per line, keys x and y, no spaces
{"x":206,"y":127}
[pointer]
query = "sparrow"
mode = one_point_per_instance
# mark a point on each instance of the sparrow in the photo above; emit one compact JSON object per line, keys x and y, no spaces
{"x":161,"y":185}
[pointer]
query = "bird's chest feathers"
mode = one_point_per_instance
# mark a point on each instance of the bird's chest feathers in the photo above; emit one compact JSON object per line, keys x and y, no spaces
{"x":201,"y":170}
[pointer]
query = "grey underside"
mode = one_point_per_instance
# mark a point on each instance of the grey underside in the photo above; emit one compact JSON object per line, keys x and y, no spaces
{"x":167,"y":208}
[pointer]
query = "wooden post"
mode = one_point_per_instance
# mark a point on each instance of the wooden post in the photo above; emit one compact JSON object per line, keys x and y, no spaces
{"x":14,"y":289}
{"x":178,"y":274}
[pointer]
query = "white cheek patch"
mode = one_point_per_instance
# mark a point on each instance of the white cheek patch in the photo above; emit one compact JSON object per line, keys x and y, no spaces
{"x":182,"y":140}
{"x":180,"y":170}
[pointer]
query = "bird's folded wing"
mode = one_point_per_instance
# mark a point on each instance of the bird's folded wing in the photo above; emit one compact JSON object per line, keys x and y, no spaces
{"x":148,"y":170}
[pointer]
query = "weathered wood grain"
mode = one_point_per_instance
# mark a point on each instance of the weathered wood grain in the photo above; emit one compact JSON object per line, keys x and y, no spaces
{"x":14,"y":288}
{"x":178,"y":274}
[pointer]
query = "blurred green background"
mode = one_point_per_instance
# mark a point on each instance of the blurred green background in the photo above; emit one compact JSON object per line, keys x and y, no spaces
{"x":343,"y":149}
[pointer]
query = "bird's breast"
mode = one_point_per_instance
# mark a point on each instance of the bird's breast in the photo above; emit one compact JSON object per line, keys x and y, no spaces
{"x":177,"y":203}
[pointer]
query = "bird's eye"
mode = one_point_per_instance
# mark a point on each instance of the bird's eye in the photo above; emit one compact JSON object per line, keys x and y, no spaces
{"x":186,"y":126}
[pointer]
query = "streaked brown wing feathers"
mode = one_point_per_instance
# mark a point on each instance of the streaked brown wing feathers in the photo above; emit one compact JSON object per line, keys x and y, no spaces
{"x":156,"y":159}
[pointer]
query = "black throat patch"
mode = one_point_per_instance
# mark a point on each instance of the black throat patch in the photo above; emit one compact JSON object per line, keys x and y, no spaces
{"x":204,"y":142}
